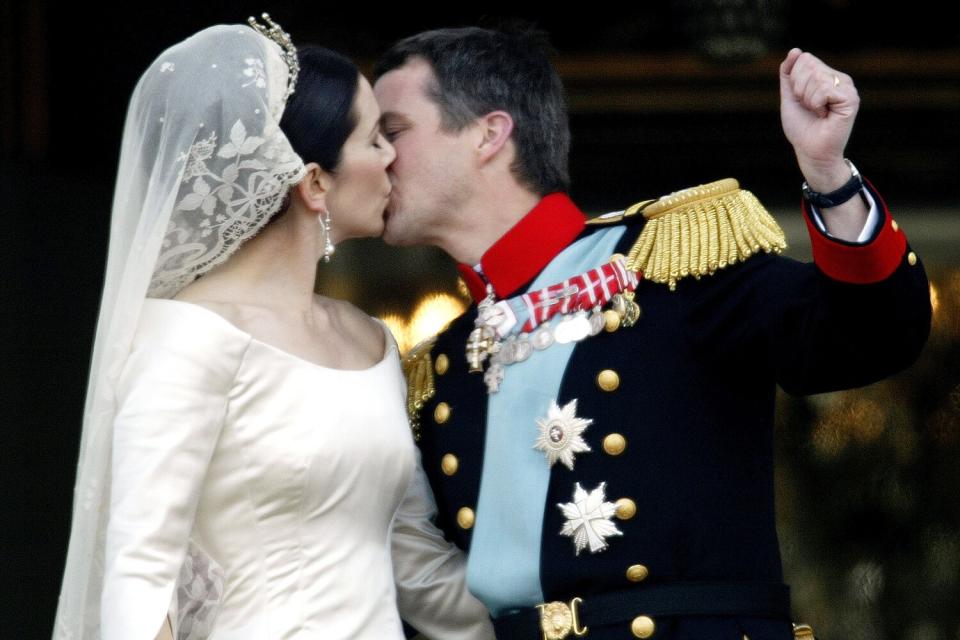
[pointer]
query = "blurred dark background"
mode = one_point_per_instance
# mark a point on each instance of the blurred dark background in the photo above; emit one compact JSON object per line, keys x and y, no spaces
{"x":663,"y":95}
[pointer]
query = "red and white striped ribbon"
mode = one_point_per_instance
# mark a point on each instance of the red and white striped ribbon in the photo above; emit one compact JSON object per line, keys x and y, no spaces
{"x":587,"y":290}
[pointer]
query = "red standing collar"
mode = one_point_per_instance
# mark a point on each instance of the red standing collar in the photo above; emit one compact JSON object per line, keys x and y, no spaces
{"x":523,"y":251}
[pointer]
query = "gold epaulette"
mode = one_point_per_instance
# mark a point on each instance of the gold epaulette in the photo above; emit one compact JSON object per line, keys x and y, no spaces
{"x":418,"y":368}
{"x":698,"y":230}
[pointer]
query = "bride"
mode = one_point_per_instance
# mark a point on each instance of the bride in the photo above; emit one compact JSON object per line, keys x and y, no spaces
{"x":230,"y":408}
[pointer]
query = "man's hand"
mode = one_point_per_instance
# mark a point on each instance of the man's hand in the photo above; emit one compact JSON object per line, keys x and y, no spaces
{"x":818,"y":105}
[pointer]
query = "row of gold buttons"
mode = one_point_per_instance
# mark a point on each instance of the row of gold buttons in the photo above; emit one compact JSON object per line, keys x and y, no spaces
{"x":450,"y":464}
{"x":642,"y":626}
{"x":609,"y":380}
{"x":614,"y":444}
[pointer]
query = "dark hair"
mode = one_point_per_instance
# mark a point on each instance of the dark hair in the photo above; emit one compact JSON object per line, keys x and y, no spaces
{"x":319,"y":116}
{"x":481,"y":70}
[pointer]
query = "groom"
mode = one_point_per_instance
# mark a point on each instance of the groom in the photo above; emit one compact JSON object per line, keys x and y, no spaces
{"x":597,"y":429}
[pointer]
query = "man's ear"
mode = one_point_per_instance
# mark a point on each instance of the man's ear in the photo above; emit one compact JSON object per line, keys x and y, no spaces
{"x":313,"y":188}
{"x":495,"y":128}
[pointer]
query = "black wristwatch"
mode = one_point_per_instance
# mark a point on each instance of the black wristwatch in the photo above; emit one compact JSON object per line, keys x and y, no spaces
{"x":852,"y":187}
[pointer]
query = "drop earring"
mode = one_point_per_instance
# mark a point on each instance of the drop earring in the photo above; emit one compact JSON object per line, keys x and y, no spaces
{"x":328,"y":248}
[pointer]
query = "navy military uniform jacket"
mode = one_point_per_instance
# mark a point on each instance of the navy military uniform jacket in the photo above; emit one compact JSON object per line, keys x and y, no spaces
{"x":683,"y":413}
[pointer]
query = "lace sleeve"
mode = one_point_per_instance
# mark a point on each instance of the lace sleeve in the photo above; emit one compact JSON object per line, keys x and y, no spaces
{"x":199,"y":588}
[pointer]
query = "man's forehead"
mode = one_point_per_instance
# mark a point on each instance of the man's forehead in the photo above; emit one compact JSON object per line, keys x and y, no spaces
{"x":409,"y":80}
{"x":402,"y":92}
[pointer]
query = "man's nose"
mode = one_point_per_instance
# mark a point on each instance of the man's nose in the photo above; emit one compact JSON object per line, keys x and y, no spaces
{"x":390,"y":155}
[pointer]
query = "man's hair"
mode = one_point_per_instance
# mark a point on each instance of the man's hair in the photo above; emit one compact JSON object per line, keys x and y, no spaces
{"x":479,"y":70}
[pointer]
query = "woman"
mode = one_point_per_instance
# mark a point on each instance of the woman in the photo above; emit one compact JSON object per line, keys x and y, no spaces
{"x":229,"y":406}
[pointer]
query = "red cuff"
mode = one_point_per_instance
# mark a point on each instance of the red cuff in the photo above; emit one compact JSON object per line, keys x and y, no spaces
{"x":862,"y":263}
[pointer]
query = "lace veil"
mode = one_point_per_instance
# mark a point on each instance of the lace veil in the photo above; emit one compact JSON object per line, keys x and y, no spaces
{"x":203,"y":166}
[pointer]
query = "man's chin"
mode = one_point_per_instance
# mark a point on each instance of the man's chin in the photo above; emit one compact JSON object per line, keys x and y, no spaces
{"x":393,"y":228}
{"x":394,"y":240}
{"x":402,"y":229}
{"x":395,"y":236}
{"x":388,"y":235}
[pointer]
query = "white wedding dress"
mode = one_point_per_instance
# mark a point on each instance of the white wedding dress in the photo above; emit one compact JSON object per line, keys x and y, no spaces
{"x":300,"y":481}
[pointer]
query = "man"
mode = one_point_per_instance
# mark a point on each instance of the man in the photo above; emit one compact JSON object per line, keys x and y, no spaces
{"x":597,"y":430}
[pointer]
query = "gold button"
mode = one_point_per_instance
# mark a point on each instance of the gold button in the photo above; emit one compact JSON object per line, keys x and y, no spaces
{"x":893,"y":223}
{"x":608,"y":380}
{"x":626,"y":508}
{"x":803,"y":632}
{"x":449,"y":464}
{"x":637,"y":573}
{"x":614,"y":444}
{"x":611,"y":320}
{"x":441,"y":413}
{"x":465,"y":518}
{"x":617,"y":256}
{"x":642,"y":627}
{"x":912,"y":258}
{"x":442,"y":364}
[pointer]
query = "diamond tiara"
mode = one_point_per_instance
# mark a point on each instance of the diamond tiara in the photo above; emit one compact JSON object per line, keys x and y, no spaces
{"x":289,"y":52}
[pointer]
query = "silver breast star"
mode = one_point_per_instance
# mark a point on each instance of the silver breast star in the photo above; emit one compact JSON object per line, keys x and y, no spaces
{"x":560,"y":434}
{"x":589,"y":519}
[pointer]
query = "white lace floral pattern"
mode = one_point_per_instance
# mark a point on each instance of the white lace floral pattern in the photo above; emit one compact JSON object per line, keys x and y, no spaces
{"x":199,"y":588}
{"x":199,"y":152}
{"x":226,"y":195}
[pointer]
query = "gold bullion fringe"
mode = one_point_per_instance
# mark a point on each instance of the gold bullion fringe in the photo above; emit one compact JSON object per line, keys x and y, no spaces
{"x":418,"y":368}
{"x":698,"y":230}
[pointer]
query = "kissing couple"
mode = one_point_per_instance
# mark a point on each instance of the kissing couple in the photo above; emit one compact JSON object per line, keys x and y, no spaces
{"x":585,"y":452}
